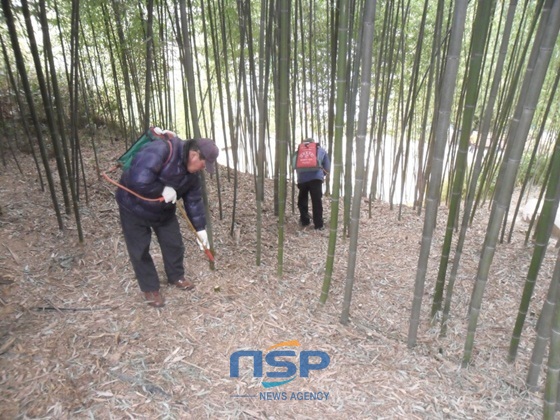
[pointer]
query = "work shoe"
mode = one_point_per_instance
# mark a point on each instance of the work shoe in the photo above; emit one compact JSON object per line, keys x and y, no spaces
{"x":184,"y":284}
{"x":154,"y":299}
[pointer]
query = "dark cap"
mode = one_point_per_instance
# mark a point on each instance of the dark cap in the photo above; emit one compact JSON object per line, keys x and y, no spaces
{"x":210,"y":152}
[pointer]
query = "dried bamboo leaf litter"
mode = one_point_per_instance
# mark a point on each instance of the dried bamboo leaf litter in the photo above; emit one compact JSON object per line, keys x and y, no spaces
{"x":77,"y":340}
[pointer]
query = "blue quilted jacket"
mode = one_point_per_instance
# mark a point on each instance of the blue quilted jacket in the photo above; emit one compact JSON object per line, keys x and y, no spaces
{"x":153,"y":168}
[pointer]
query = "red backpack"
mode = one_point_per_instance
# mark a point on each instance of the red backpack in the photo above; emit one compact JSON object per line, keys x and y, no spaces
{"x":307,"y":158}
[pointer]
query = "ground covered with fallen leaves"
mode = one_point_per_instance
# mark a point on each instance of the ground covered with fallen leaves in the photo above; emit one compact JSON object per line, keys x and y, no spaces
{"x":78,"y":341}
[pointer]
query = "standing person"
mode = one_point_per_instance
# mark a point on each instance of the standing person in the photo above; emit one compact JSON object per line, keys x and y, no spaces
{"x":168,"y":169}
{"x":310,"y":180}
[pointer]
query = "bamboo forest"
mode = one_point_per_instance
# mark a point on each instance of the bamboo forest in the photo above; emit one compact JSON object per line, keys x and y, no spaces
{"x":432,"y":291}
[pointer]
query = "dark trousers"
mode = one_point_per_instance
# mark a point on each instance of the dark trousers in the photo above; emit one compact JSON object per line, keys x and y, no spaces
{"x":138,"y":236}
{"x":314,"y":189}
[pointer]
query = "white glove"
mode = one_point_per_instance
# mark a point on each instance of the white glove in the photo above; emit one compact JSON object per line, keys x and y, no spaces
{"x":166,"y":133}
{"x":169,"y":195}
{"x":202,"y":239}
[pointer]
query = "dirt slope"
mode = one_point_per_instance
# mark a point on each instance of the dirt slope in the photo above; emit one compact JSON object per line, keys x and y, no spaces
{"x":77,"y":340}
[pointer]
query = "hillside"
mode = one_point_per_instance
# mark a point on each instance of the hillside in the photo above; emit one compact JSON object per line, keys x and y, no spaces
{"x":77,"y":340}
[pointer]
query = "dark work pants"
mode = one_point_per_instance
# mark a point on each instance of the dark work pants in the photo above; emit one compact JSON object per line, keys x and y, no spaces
{"x":314,"y":189}
{"x":138,"y":236}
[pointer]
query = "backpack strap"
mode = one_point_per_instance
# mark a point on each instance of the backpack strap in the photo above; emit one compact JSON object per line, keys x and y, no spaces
{"x":170,"y":152}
